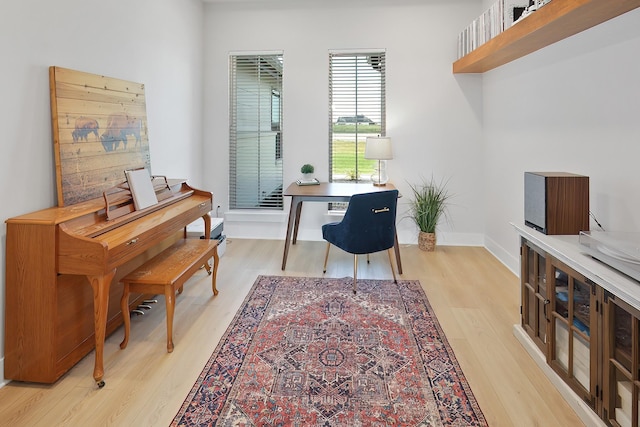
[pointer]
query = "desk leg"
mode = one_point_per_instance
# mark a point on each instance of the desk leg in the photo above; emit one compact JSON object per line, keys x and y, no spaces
{"x":295,"y":229}
{"x":287,"y":240}
{"x":396,"y":248}
{"x":100,"y":285}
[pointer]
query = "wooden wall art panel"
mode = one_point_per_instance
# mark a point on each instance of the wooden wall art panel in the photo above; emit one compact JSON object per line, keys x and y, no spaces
{"x":99,"y":131}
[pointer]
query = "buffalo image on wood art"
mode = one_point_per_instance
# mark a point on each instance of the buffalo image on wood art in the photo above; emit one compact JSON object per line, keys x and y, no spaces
{"x":118,"y":127}
{"x":85,"y":126}
{"x":99,"y":131}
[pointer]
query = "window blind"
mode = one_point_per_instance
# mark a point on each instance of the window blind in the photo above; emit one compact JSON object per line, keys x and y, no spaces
{"x":255,"y":132}
{"x":356,"y":110}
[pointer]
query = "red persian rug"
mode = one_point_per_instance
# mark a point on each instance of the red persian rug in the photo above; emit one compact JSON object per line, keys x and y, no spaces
{"x":307,"y":352}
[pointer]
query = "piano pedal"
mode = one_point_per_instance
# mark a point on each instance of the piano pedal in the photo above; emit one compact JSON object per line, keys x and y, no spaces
{"x":150,"y":301}
{"x":137,"y":312}
{"x":144,"y":307}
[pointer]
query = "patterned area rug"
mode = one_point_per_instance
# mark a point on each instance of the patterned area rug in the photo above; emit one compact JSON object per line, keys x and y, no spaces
{"x":307,"y":352}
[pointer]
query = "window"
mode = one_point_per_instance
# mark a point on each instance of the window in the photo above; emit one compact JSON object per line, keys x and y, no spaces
{"x":356,"y":110}
{"x":255,"y":132}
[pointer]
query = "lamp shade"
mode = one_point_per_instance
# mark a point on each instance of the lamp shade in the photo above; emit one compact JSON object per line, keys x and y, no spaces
{"x":378,"y":148}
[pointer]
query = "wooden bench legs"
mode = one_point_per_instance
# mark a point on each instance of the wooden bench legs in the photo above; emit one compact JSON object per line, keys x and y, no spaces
{"x":165,"y":274}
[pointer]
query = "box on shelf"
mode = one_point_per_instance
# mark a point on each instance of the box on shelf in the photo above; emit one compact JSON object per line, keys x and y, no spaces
{"x":581,"y":358}
{"x":562,"y":344}
{"x":623,"y":413}
{"x":623,"y":418}
{"x":581,"y":355}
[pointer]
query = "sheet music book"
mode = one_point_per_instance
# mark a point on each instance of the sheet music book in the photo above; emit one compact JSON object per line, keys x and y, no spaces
{"x":141,"y":188}
{"x":313,"y":181}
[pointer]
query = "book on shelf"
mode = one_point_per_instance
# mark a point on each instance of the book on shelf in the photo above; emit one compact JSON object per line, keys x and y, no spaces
{"x":313,"y":181}
{"x":493,"y":21}
{"x":141,"y":188}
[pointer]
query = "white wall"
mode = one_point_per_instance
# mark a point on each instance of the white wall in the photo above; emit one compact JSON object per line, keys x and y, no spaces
{"x":433,"y":116}
{"x":573,"y":107}
{"x":155,"y":42}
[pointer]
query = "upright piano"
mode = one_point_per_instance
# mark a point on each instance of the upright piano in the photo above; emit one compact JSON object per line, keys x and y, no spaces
{"x":63,"y":265}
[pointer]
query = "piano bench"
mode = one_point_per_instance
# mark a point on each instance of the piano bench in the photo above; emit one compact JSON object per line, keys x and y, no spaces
{"x":165,"y":274}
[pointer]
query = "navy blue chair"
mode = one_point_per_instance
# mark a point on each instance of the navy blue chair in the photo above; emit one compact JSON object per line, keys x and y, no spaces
{"x":368,"y":226}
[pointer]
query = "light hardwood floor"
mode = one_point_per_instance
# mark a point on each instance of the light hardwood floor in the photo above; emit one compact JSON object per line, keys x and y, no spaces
{"x":475,"y":298}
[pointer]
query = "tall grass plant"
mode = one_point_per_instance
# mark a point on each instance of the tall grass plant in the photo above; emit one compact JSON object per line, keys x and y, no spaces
{"x":429,"y":204}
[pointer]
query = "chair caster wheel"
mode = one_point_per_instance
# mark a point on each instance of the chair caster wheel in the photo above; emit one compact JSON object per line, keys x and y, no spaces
{"x":100,"y":384}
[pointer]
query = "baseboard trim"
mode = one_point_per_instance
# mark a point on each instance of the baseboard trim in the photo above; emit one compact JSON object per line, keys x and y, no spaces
{"x":3,"y":381}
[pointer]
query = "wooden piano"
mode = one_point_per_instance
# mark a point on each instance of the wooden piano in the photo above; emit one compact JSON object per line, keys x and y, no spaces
{"x":61,"y":264}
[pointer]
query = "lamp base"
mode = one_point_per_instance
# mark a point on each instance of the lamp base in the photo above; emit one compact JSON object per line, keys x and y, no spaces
{"x":379,"y":177}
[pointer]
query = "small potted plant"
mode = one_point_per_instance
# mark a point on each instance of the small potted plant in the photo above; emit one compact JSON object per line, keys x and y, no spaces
{"x":307,"y":172}
{"x":428,"y":205}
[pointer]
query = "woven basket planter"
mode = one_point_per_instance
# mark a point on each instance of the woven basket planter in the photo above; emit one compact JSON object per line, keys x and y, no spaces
{"x":427,"y":241}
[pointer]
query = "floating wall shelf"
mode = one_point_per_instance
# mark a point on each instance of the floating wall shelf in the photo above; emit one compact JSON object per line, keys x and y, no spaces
{"x":555,"y":21}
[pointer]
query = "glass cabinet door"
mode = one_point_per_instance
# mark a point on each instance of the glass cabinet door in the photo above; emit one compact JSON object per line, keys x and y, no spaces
{"x":621,"y":363}
{"x":573,"y":325}
{"x":534,"y":294}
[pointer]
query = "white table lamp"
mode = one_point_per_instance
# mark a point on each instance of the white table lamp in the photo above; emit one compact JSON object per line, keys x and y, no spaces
{"x":379,"y":148}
